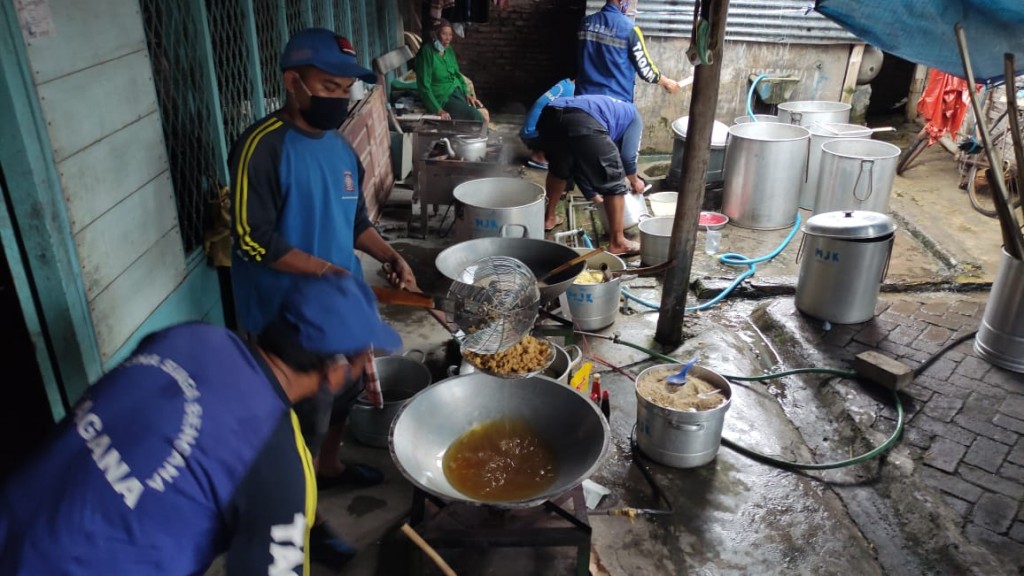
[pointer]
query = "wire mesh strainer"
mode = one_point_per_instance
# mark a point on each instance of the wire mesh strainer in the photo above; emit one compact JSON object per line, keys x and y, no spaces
{"x":496,"y":304}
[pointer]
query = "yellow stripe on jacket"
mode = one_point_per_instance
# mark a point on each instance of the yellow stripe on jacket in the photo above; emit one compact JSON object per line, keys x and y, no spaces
{"x":310,"y":474}
{"x":242,"y":189}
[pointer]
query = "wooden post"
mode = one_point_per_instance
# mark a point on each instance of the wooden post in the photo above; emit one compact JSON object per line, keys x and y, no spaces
{"x":852,"y":71}
{"x":696,"y":154}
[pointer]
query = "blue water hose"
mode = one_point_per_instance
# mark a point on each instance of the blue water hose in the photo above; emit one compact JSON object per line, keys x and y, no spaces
{"x":750,"y":97}
{"x":731,"y":259}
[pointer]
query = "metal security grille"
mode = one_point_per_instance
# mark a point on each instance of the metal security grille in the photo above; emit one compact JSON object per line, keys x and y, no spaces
{"x":320,"y":13}
{"x":343,"y":19}
{"x":190,"y":131}
{"x":231,"y":61}
{"x":271,"y":37}
{"x":296,"y":17}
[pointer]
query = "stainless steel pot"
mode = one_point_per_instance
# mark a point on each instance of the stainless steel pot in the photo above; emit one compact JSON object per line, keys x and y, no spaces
{"x":856,"y":174}
{"x":807,"y":112}
{"x":765,"y":164}
{"x":426,"y":426}
{"x":400,"y":378}
{"x":470,"y":148}
{"x":566,"y":360}
{"x":487,"y":204}
{"x":539,"y":255}
{"x":820,"y":134}
{"x":1000,"y":338}
{"x":595,"y":306}
{"x":760,"y":118}
{"x":655,"y":240}
{"x":845,"y":256}
{"x":677,"y":438}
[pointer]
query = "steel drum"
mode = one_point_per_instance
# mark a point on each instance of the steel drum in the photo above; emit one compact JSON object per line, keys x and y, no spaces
{"x":539,"y":255}
{"x":426,"y":426}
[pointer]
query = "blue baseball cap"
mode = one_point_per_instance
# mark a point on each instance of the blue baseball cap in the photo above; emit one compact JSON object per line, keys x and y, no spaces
{"x":323,"y":49}
{"x":337,"y":314}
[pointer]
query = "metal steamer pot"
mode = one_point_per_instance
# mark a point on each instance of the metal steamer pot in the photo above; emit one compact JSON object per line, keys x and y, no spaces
{"x":486,"y":205}
{"x":566,"y":360}
{"x":822,"y":133}
{"x":807,"y":112}
{"x":470,"y":148}
{"x":400,"y":378}
{"x":765,"y":164}
{"x":570,"y":424}
{"x":595,"y":306}
{"x":540,"y":256}
{"x":655,"y":240}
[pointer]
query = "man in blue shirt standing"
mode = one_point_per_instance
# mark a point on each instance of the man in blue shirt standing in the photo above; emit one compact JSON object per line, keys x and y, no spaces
{"x":611,"y":53}
{"x":595,"y":140}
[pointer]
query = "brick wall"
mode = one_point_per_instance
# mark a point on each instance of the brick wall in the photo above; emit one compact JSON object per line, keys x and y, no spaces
{"x":521,"y":51}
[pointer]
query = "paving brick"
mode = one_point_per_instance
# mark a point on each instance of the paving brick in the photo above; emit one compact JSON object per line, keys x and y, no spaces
{"x":881,"y":306}
{"x":904,"y":308}
{"x":965,"y":308}
{"x":933,"y":309}
{"x":949,"y":431}
{"x":943,"y":408}
{"x":994,"y":512}
{"x":1009,"y":381}
{"x":983,"y":428}
{"x":987,"y":454}
{"x":990,"y":482}
{"x":1004,"y":421}
{"x":936,"y":334}
{"x":1017,"y":532}
{"x":972,"y":367}
{"x":942,"y":387}
{"x":1013,"y":406}
{"x":978,"y":386}
{"x":952,"y":321}
{"x":917,"y":392}
{"x":961,"y":507}
{"x":940,"y":369}
{"x":903,"y":335}
{"x":898,"y":351}
{"x":907,"y":321}
{"x":871,"y":335}
{"x":839,"y":336}
{"x":944,"y":454}
{"x":1017,"y":454}
{"x":1010,"y":552}
{"x":1012,"y":472}
{"x":950,"y":484}
{"x":917,"y":437}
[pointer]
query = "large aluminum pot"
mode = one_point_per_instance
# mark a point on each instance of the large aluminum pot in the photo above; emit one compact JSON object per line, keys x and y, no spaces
{"x":595,"y":306}
{"x":569,"y":423}
{"x":807,"y":112}
{"x":566,"y":360}
{"x":820,"y":134}
{"x":1000,"y":338}
{"x":757,"y":118}
{"x":540,"y":256}
{"x":845,"y":259}
{"x":765,"y":164}
{"x":655,"y":240}
{"x":856,"y":174}
{"x":677,"y":438}
{"x":400,"y":379}
{"x":487,"y":204}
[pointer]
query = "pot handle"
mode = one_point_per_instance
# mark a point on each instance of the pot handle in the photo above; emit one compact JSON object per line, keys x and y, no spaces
{"x":888,"y":258}
{"x":453,"y":370}
{"x":506,"y":227}
{"x":807,"y":162}
{"x":687,"y":427}
{"x":423,"y":355}
{"x":796,"y":117}
{"x":800,"y":250}
{"x":573,"y":363}
{"x":871,"y":179}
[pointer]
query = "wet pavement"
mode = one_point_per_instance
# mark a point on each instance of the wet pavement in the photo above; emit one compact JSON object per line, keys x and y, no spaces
{"x":946,"y":499}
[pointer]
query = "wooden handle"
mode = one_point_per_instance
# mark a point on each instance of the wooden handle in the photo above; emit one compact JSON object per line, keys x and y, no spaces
{"x":428,"y":550}
{"x":387,"y":295}
{"x":571,"y":263}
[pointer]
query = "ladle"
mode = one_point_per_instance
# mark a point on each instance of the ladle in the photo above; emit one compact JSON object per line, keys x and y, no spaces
{"x":680,"y":377}
{"x":572,"y":262}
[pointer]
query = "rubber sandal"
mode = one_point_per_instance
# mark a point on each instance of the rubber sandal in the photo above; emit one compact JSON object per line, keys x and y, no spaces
{"x":358,"y":475}
{"x":537,"y":165}
{"x":634,"y":250}
{"x":558,"y":222}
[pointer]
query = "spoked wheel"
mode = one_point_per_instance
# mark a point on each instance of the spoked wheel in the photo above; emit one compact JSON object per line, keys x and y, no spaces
{"x":910,"y":154}
{"x":980,"y":190}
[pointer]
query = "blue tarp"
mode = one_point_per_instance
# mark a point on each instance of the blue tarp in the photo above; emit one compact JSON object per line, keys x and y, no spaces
{"x":921,"y":31}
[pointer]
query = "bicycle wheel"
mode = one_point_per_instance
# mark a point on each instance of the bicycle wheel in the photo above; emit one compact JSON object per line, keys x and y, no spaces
{"x":910,"y":154}
{"x":980,"y":191}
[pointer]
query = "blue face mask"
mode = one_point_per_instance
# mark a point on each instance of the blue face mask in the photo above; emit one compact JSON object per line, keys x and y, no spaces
{"x":624,"y":6}
{"x":438,"y":45}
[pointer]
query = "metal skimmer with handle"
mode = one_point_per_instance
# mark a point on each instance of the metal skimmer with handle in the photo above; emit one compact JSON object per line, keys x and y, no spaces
{"x":496,"y":304}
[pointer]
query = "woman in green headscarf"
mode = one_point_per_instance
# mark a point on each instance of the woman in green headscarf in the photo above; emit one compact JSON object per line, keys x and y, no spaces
{"x":440,"y":84}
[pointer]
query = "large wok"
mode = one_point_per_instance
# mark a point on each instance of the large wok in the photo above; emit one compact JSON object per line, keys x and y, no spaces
{"x":434,"y":418}
{"x":539,"y":255}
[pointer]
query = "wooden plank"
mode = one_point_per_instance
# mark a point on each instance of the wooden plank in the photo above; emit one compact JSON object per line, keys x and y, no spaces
{"x":86,"y":33}
{"x":122,"y":307}
{"x":852,"y":70}
{"x":114,"y":241}
{"x":197,"y":297}
{"x":916,"y":89}
{"x":110,"y":170}
{"x":83,"y":107}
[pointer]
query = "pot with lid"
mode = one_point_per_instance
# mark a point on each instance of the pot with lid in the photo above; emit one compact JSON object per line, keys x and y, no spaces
{"x":845,"y":259}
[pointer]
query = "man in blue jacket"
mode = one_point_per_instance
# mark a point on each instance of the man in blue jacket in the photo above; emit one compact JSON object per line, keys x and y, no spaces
{"x":595,"y":140}
{"x":611,"y":53}
{"x":189,"y":449}
{"x":528,"y":133}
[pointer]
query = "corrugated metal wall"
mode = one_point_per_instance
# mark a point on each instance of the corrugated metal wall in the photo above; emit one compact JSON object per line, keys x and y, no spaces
{"x":771,"y":21}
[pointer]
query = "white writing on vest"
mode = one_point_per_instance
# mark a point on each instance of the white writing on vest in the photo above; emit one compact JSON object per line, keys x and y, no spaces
{"x":107,"y":458}
{"x":286,"y":548}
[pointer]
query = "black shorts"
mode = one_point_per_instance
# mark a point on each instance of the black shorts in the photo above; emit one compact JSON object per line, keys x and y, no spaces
{"x":319,"y":412}
{"x":578,"y":147}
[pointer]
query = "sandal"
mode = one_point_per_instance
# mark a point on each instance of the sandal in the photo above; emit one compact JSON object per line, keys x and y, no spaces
{"x":633,"y":250}
{"x":537,"y":165}
{"x":358,"y":475}
{"x":558,"y":222}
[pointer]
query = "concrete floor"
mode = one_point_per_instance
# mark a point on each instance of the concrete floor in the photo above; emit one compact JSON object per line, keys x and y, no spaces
{"x":735,"y":515}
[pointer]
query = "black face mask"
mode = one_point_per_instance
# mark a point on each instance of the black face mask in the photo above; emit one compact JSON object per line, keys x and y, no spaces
{"x":324,"y":113}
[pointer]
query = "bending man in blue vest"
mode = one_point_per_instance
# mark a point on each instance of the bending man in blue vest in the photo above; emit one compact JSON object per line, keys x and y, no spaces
{"x":189,"y":449}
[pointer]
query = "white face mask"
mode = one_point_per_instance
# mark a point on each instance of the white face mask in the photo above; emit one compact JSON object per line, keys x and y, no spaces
{"x":439,"y":46}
